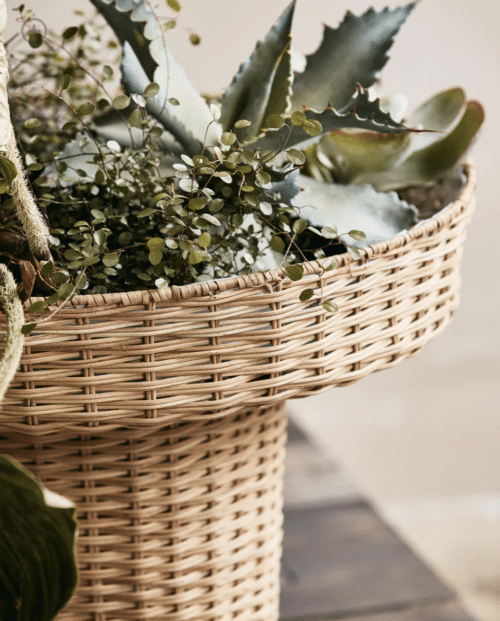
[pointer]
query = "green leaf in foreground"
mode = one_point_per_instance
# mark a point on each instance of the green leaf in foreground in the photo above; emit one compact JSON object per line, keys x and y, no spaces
{"x":38,"y":572}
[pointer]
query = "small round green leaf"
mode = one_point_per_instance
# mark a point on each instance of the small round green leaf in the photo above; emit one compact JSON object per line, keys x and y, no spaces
{"x":86,"y":108}
{"x":145,"y":212}
{"x":64,"y":81}
{"x":306,"y":295}
{"x":28,"y":327}
{"x":275,"y":121}
{"x":330,"y":307}
{"x":156,"y":244}
{"x":135,"y":119}
{"x":32,"y":123}
{"x":194,"y":39}
{"x":298,"y":118}
{"x":299,"y":226}
{"x":277,"y":243}
{"x":359,"y":235}
{"x":69,"y":33}
{"x":295,"y":156}
{"x":330,"y":263}
{"x":204,"y":240}
{"x":353,"y":252}
{"x":195,"y":256}
{"x":294,"y":272}
{"x":312,"y":127}
{"x":175,"y":5}
{"x":65,"y":290}
{"x":121,"y":102}
{"x":242,"y":123}
{"x":111,"y":259}
{"x":329,"y":232}
{"x":35,"y":38}
{"x":37,"y":307}
{"x":155,"y":257}
{"x":151,"y":90}
{"x":100,"y":177}
{"x":228,"y":138}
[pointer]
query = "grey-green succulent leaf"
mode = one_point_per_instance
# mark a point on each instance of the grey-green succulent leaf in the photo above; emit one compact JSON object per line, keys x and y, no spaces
{"x":353,"y":53}
{"x":379,"y":216}
{"x":359,"y":157}
{"x":77,"y":157}
{"x":192,"y":111}
{"x":441,"y":113}
{"x":364,"y":114}
{"x":38,"y":572}
{"x":146,"y":59}
{"x":262,"y":85}
{"x":428,"y":165}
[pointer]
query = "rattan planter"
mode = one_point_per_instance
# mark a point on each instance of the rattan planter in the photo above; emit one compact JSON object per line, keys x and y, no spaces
{"x":160,"y":413}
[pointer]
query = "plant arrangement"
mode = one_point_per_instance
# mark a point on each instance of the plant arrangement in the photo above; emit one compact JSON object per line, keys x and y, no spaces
{"x":155,"y":185}
{"x":159,"y":187}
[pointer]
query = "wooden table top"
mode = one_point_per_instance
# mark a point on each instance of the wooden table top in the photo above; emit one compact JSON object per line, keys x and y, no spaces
{"x":340,"y":560}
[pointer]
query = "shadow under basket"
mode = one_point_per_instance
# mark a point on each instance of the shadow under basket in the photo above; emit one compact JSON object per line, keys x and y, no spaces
{"x":161,"y":415}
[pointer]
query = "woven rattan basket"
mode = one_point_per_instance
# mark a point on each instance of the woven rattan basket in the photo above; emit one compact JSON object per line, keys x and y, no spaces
{"x":160,"y":413}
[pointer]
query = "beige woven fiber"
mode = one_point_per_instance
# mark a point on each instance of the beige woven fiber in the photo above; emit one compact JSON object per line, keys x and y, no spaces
{"x":176,"y":523}
{"x":149,"y":358}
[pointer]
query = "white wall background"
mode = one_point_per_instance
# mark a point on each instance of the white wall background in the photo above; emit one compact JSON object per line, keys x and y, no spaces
{"x":422,"y":439}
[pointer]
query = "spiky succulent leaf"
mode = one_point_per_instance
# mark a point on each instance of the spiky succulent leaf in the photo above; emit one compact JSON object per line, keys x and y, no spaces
{"x":38,"y":571}
{"x":262,"y":85}
{"x":354,"y":52}
{"x":113,"y":125}
{"x":189,"y":117}
{"x":364,"y":114}
{"x":440,"y":113}
{"x":345,"y":207}
{"x":145,"y":59}
{"x":78,"y":154}
{"x":356,"y":156}
{"x":428,"y":165}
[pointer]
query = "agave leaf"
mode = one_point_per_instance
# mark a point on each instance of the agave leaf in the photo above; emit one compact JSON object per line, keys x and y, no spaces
{"x":347,"y":207}
{"x":364,"y":114}
{"x":428,"y":165}
{"x":77,"y":158}
{"x":354,"y":52}
{"x":38,"y":572}
{"x":285,"y":182}
{"x":262,"y":85}
{"x":145,"y":59}
{"x":355,"y":155}
{"x":113,"y":126}
{"x":192,"y":111}
{"x":440,"y":113}
{"x":134,"y":21}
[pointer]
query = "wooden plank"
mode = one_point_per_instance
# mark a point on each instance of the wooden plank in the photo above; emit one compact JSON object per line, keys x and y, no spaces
{"x":450,"y":611}
{"x":340,"y":559}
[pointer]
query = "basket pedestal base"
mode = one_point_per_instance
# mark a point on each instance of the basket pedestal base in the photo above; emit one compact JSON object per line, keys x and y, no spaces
{"x":181,"y":522}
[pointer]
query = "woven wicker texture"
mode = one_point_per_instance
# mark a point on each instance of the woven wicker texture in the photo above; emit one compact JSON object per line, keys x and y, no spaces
{"x":149,"y":358}
{"x":176,"y":523}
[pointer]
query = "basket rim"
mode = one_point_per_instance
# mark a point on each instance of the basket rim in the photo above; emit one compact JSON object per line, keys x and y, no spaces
{"x":271,"y":277}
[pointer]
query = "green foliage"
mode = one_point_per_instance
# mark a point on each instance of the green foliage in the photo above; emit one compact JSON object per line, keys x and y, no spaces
{"x":38,"y":571}
{"x":394,"y":161}
{"x":156,"y":186}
